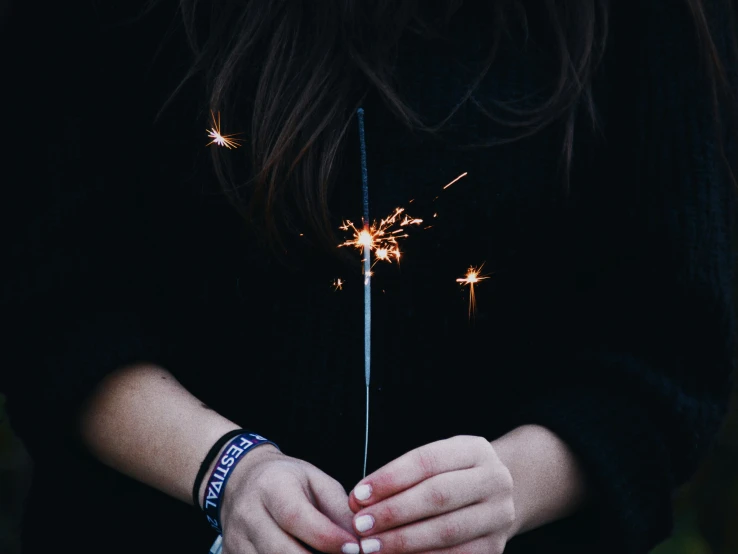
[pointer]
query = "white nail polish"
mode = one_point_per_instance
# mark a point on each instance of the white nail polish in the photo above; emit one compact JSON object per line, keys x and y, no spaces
{"x":364,"y":523}
{"x":362,"y":492}
{"x":370,"y":545}
{"x":350,"y":548}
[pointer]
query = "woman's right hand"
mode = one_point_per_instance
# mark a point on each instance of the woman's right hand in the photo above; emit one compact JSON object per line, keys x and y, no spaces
{"x":274,"y":503}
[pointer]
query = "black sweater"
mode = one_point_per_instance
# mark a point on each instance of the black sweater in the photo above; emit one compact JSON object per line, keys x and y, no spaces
{"x":607,"y":315}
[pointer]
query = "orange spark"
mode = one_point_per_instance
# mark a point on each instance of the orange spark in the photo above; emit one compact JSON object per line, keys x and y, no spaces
{"x":338,"y":284}
{"x":472,"y":277}
{"x":381,"y":238}
{"x":365,"y":239}
{"x":457,"y":179}
{"x":221,"y":140}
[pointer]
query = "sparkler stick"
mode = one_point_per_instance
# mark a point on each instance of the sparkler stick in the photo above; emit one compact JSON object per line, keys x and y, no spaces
{"x":367,"y":280}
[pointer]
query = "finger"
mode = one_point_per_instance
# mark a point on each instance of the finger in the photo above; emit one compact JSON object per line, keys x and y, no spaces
{"x":435,"y":496}
{"x":298,"y":517}
{"x":417,"y":465}
{"x":483,"y":545}
{"x":331,"y":499}
{"x":269,"y":537}
{"x":440,"y":532}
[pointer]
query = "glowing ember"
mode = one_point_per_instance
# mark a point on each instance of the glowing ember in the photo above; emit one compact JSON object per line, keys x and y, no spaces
{"x":381,"y":238}
{"x":338,"y":284}
{"x":457,"y":178}
{"x":228,"y":141}
{"x":472,"y":277}
{"x":365,"y":239}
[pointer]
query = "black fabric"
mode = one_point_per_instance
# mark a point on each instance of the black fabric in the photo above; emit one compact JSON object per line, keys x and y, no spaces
{"x":607,"y":315}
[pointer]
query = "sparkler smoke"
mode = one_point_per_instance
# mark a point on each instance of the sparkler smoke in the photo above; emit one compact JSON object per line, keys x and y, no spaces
{"x":366,"y":241}
{"x":227,"y":141}
{"x":472,"y":277}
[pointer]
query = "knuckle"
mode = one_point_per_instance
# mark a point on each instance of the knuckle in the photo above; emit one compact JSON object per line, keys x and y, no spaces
{"x":401,"y":542}
{"x":450,"y":533}
{"x":428,"y":462}
{"x":497,"y":546}
{"x":324,"y":541}
{"x":288,"y":515}
{"x":388,"y":515}
{"x":439,"y":498}
{"x":508,"y":513}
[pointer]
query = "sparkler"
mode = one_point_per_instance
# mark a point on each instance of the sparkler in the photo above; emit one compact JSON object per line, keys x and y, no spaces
{"x":228,"y":141}
{"x":366,"y":241}
{"x":472,"y":277}
{"x":381,"y":238}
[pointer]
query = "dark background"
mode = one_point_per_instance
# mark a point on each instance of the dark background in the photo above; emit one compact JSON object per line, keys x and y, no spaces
{"x":706,"y":509}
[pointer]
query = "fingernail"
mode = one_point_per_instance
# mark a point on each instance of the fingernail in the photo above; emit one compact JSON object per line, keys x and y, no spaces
{"x":370,"y":545}
{"x":362,"y":492}
{"x":350,"y":548}
{"x":364,"y":523}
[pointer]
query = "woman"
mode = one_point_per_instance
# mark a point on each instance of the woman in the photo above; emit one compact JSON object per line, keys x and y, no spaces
{"x":559,"y":413}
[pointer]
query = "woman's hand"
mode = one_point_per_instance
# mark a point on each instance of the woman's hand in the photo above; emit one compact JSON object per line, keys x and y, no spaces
{"x":448,"y":497}
{"x":273,"y":503}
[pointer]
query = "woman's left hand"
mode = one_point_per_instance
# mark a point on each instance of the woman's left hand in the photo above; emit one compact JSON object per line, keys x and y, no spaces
{"x":447,"y":497}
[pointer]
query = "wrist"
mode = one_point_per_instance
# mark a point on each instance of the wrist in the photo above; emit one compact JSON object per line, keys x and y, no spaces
{"x":252,"y":457}
{"x":548,"y":481}
{"x":235,"y":457}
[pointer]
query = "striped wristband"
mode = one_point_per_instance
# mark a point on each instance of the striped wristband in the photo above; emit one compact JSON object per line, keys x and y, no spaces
{"x":232,"y":454}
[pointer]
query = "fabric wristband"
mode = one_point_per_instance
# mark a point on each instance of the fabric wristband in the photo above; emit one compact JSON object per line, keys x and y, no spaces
{"x":211,"y":455}
{"x":232,"y":454}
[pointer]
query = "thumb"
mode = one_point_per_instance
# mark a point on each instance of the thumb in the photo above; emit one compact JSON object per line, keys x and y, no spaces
{"x":331,"y":499}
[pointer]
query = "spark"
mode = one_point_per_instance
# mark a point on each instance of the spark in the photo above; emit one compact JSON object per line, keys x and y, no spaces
{"x":457,"y":179}
{"x":381,"y":238}
{"x":473,"y":276}
{"x":338,"y":284}
{"x":227,"y":141}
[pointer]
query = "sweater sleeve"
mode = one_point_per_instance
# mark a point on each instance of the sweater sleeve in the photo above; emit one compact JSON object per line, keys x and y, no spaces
{"x":640,"y":382}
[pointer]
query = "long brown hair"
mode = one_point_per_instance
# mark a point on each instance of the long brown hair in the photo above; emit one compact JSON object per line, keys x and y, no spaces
{"x":297,"y":71}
